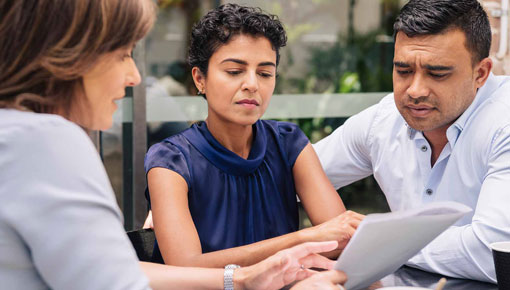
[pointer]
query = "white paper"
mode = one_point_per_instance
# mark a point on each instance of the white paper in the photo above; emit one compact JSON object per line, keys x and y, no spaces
{"x":384,"y":242}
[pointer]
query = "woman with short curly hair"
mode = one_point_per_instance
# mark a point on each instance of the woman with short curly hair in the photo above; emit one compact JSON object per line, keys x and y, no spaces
{"x":224,"y":191}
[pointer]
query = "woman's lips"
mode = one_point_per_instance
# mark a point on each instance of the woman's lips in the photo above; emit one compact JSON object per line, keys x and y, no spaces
{"x":249,"y":103}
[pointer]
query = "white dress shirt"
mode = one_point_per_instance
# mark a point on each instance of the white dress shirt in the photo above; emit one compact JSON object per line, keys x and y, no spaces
{"x":473,"y":169}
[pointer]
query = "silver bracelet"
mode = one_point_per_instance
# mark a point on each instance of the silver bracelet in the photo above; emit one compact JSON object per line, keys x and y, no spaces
{"x":228,"y":276}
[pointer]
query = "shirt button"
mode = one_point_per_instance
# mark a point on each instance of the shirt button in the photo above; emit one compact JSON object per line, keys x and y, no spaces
{"x":424,"y":148}
{"x":429,"y":191}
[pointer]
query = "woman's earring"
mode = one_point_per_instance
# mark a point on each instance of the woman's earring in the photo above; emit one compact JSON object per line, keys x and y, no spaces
{"x":201,"y":92}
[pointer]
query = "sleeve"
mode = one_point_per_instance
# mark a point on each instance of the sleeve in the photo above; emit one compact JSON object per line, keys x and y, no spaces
{"x":345,"y":153}
{"x":464,"y":252}
{"x":294,"y":140}
{"x":169,"y":156}
{"x":65,"y":212}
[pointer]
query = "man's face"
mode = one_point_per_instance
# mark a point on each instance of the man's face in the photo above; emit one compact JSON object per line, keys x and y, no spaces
{"x":434,"y":80}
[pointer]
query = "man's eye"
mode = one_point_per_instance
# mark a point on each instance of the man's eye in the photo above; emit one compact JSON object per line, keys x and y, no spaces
{"x":404,"y":72}
{"x":265,"y":75}
{"x":437,"y":76}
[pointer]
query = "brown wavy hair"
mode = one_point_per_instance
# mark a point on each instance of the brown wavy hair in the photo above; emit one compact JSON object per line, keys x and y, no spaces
{"x":47,"y":45}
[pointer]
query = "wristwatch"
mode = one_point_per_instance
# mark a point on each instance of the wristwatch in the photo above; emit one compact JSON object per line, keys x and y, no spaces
{"x":228,"y":276}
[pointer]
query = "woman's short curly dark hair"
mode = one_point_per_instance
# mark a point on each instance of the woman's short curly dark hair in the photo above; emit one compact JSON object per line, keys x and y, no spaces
{"x":218,"y":26}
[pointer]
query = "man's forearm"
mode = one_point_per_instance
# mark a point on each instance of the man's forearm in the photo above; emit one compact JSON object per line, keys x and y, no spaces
{"x":458,"y":252}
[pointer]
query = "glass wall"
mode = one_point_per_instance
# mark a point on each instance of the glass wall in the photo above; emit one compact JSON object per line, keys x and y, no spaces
{"x":337,"y":62}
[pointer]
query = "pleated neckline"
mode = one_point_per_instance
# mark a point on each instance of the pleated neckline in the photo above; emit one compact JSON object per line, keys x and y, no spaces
{"x":202,"y":139}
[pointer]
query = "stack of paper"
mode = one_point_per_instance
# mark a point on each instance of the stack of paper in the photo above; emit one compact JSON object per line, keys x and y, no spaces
{"x":384,"y":242}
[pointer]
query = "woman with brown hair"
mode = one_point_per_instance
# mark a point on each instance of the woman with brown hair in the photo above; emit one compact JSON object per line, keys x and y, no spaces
{"x":63,"y":63}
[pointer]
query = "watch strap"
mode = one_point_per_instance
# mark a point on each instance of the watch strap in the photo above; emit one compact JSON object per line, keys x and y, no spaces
{"x":228,"y":276}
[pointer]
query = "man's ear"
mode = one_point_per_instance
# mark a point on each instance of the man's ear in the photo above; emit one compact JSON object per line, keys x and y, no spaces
{"x":198,"y":79}
{"x":482,"y":71}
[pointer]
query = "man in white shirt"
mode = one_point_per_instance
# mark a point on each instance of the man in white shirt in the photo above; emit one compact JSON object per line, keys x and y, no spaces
{"x":444,"y":134}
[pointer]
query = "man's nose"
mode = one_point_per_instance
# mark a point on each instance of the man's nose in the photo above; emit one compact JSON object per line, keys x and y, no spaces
{"x":418,"y":87}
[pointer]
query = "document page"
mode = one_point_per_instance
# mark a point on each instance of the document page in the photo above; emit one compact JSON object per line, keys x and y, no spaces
{"x":384,"y":242}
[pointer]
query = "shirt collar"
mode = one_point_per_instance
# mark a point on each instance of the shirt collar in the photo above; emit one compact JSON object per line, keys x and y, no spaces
{"x":411,"y":133}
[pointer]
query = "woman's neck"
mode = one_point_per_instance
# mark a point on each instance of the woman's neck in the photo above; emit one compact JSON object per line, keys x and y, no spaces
{"x":236,"y":138}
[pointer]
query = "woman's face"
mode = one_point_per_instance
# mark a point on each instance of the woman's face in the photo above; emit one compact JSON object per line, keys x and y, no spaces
{"x":240,"y":80}
{"x":104,"y":84}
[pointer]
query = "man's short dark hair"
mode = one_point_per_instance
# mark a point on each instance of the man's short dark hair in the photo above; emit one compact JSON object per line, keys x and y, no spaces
{"x":427,"y":17}
{"x":219,"y":25}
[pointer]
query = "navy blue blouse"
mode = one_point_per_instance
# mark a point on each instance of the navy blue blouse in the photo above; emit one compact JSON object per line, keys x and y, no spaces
{"x":235,"y":201}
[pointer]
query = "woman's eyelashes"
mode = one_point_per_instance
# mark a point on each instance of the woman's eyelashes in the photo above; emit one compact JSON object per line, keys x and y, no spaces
{"x":126,"y":54}
{"x":234,"y":72}
{"x":264,"y":74}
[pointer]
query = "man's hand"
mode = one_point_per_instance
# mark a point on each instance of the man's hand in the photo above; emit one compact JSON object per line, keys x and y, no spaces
{"x":288,"y":266}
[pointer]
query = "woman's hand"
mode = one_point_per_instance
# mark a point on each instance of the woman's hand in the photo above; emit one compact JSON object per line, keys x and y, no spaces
{"x":328,"y":280}
{"x":288,"y":266}
{"x":340,"y":228}
{"x":322,"y":202}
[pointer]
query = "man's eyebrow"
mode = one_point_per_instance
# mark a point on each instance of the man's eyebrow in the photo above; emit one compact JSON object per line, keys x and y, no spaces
{"x":242,"y":62}
{"x":438,"y":67}
{"x":401,"y":64}
{"x":427,"y":66}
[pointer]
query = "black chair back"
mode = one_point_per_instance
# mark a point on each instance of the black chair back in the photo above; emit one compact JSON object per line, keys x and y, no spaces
{"x":143,"y":242}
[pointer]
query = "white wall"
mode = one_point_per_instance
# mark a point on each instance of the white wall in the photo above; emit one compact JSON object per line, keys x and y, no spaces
{"x":493,"y":8}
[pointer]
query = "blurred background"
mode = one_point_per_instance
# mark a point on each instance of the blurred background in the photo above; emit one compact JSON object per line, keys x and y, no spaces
{"x":338,"y":61}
